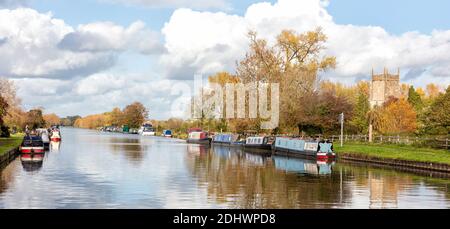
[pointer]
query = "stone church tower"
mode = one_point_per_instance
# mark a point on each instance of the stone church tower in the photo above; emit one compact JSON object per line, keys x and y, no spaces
{"x":384,"y":86}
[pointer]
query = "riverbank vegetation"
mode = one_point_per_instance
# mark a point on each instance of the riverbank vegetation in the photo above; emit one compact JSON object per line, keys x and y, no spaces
{"x":133,"y":115}
{"x":309,"y":105}
{"x":400,"y":152}
{"x":13,"y":118}
{"x":7,"y":144}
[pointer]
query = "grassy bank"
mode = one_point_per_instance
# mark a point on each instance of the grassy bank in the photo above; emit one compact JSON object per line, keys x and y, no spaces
{"x":7,"y":144}
{"x":396,"y":152}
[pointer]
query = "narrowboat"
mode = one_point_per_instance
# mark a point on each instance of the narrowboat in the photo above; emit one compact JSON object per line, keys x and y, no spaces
{"x":258,"y":143}
{"x":55,"y":136}
{"x":227,"y":140}
{"x":31,"y":145}
{"x":199,"y":138}
{"x":320,"y":150}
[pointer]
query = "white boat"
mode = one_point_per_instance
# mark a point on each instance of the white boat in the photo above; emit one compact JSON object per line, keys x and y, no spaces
{"x":148,"y":131}
{"x":55,"y":136}
{"x":45,"y":137}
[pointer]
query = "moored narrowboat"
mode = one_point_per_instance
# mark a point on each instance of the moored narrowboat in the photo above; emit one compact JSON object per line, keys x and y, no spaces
{"x":259,"y":143}
{"x":199,"y":138}
{"x":227,"y":140}
{"x":32,"y":144}
{"x":321,"y":150}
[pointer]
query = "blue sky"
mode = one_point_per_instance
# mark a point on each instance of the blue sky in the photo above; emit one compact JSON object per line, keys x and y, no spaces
{"x":97,"y":54}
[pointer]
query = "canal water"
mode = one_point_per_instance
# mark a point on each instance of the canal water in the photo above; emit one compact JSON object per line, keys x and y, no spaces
{"x":89,"y":169}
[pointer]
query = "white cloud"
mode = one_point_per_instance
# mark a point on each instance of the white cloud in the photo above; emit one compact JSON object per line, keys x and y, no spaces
{"x":107,"y":36}
{"x":195,"y":4}
{"x":40,"y":46}
{"x":205,"y":42}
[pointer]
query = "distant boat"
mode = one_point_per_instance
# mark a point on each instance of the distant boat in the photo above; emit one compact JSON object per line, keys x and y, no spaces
{"x":167,"y":133}
{"x":320,"y":150}
{"x":148,"y":131}
{"x":32,"y":144}
{"x":55,"y":135}
{"x":143,"y":127}
{"x":199,"y":138}
{"x":259,"y":143}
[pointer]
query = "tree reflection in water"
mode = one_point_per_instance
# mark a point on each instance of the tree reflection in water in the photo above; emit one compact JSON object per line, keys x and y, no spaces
{"x":132,"y":148}
{"x":245,"y":180}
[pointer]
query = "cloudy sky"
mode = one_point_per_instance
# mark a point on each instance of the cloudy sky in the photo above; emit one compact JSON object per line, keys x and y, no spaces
{"x":88,"y":56}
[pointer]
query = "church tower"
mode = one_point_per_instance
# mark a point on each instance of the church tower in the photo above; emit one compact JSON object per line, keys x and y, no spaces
{"x":384,"y":86}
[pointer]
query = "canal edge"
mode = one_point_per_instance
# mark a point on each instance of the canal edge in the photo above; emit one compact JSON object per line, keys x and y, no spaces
{"x":427,"y":166}
{"x":8,"y":157}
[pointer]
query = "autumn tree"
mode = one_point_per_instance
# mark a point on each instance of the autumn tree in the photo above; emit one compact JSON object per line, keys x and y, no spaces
{"x":34,"y":119}
{"x":52,"y":119}
{"x":15,"y":115}
{"x":134,"y":115}
{"x":117,"y":117}
{"x":3,"y":109}
{"x":398,"y":117}
{"x":294,"y":62}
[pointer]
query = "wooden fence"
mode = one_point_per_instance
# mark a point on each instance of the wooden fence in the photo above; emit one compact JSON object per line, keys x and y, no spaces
{"x":434,"y":142}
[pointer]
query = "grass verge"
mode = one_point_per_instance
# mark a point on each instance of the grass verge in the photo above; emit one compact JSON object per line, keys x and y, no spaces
{"x":399,"y":152}
{"x":7,"y":144}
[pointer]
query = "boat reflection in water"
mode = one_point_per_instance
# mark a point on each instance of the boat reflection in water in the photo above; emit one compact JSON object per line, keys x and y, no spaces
{"x":54,"y":146}
{"x":32,"y":162}
{"x":200,"y":150}
{"x":303,"y":166}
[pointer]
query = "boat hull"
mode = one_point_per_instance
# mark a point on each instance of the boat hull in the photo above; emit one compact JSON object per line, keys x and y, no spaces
{"x":199,"y":141}
{"x":258,"y":147}
{"x":303,"y":154}
{"x":32,"y":150}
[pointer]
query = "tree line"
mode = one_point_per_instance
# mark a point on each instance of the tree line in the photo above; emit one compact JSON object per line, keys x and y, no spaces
{"x":310,"y":105}
{"x":133,"y":115}
{"x":13,"y":118}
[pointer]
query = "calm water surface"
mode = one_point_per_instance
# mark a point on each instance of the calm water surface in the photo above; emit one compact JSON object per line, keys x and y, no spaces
{"x":98,"y":170}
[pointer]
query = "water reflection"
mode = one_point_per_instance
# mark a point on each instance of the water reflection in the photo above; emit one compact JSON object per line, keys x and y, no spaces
{"x":252,"y":181}
{"x":104,"y":170}
{"x":304,"y":166}
{"x":54,"y":147}
{"x":32,"y":162}
{"x":130,"y":147}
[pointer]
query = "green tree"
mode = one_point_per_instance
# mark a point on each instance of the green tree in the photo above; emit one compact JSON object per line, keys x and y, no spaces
{"x":438,"y":116}
{"x":414,"y":99}
{"x":360,"y":113}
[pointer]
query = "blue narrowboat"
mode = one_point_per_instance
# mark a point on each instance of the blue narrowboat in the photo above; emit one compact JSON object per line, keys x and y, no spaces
{"x":227,"y":140}
{"x":297,"y":147}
